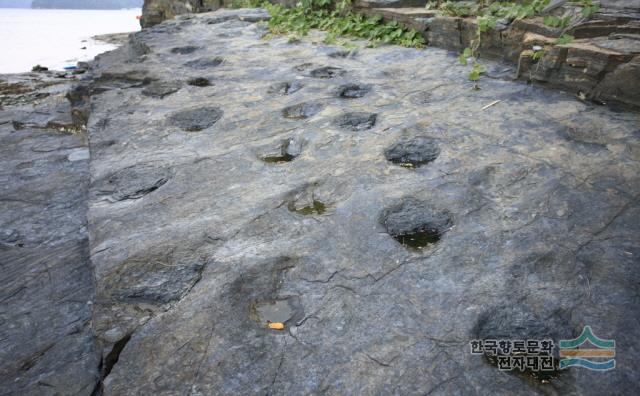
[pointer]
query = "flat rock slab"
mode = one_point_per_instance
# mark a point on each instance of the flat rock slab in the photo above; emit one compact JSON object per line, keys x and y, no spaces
{"x":46,"y":282}
{"x":199,"y":241}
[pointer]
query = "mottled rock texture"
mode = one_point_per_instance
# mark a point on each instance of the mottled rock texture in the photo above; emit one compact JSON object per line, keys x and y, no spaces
{"x":46,"y":282}
{"x":197,"y":239}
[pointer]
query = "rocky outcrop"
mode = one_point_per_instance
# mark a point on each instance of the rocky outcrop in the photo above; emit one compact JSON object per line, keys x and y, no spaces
{"x":156,"y":11}
{"x":598,"y":64}
{"x":374,"y":204}
{"x":46,"y":283}
{"x":251,"y":216}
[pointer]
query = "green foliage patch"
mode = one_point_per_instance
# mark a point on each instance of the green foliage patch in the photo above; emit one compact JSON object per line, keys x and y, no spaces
{"x":338,"y":20}
{"x":564,"y":39}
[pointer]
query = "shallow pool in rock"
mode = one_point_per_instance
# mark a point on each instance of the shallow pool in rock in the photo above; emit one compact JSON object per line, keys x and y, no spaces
{"x":415,"y":224}
{"x":316,"y":207}
{"x":276,"y":311}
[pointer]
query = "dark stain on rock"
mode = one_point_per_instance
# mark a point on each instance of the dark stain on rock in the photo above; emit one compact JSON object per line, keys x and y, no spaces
{"x":414,"y":152}
{"x":415,"y":224}
{"x":285,"y":88}
{"x":160,"y":89}
{"x":132,"y":183}
{"x":357,"y":121}
{"x":342,"y":54}
{"x":353,"y":91}
{"x":316,"y":207}
{"x":199,"y":82}
{"x":204,"y":63}
{"x":519,"y":322}
{"x":187,"y":49}
{"x":419,"y":238}
{"x":154,"y":278}
{"x":302,"y":110}
{"x":327,"y":72}
{"x":194,"y":120}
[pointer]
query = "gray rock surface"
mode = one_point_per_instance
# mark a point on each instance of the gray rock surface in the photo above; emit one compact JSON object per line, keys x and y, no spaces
{"x":46,"y":282}
{"x":199,"y":241}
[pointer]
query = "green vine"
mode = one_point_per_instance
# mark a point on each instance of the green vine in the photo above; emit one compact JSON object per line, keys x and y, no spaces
{"x":337,"y":19}
{"x":488,"y":19}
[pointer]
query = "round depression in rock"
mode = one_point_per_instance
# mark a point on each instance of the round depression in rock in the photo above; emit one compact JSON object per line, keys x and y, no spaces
{"x":193,"y":120}
{"x":356,"y":121}
{"x":352,"y":91}
{"x":415,"y":224}
{"x":303,"y":110}
{"x":520,"y":322}
{"x":414,"y":152}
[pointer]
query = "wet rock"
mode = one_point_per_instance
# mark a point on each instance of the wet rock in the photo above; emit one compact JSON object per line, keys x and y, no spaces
{"x":327,"y":72}
{"x":160,"y":89}
{"x":301,"y":111}
{"x":197,"y":119}
{"x":357,"y":121}
{"x":416,"y":224}
{"x":204,"y":63}
{"x":352,"y":91}
{"x":412,"y":153}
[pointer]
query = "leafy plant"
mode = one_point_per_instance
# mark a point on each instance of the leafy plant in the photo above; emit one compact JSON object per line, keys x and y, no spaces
{"x":537,"y":55}
{"x":564,"y":39}
{"x":556,"y":22}
{"x":338,"y":20}
{"x":246,"y":3}
{"x":488,"y":19}
{"x":588,"y":8}
{"x":476,"y":70}
{"x":464,"y":56}
{"x":460,"y":9}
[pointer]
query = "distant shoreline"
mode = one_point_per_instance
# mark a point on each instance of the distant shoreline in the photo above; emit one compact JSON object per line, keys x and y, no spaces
{"x":86,"y":4}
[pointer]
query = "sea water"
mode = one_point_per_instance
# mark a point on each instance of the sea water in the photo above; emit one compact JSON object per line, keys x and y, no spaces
{"x":57,"y":38}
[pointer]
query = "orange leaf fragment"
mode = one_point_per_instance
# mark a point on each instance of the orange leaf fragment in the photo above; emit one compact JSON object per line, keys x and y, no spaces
{"x":275,"y":325}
